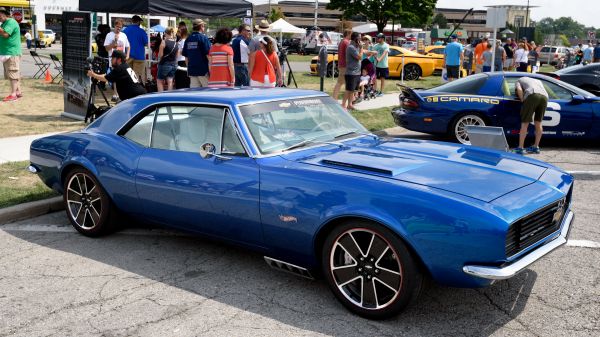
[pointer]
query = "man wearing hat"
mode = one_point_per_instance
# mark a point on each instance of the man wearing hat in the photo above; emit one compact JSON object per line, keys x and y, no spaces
{"x":263,"y":30}
{"x":381,"y":62}
{"x":126,"y":80}
{"x":138,"y":40}
{"x":195,"y":51}
{"x":10,"y":53}
{"x":453,"y":58}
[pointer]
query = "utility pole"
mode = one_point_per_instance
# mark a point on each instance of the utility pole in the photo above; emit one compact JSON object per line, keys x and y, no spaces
{"x":316,"y":11}
{"x":527,"y":15}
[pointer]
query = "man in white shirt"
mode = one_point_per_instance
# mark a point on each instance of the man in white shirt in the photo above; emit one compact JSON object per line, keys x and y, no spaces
{"x":117,"y":40}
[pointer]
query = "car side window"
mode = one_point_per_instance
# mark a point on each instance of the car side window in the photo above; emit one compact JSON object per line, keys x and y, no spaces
{"x":231,"y":142}
{"x":438,"y":51}
{"x":186,"y":128}
{"x":394,"y":52}
{"x":140,"y":132}
{"x":557,"y":92}
{"x":508,"y":87}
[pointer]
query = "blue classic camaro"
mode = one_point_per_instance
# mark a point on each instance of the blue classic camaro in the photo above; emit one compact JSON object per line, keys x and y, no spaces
{"x":490,"y":99}
{"x":292,"y":175}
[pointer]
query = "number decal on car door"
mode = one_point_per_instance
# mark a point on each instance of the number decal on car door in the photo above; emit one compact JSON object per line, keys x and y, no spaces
{"x":552,"y":117}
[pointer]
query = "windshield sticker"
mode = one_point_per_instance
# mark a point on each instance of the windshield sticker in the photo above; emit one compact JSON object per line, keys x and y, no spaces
{"x":462,"y":99}
{"x":307,"y":102}
{"x":285,"y":105}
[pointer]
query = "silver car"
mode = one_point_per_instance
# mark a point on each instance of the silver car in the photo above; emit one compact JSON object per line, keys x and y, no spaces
{"x":552,"y":54}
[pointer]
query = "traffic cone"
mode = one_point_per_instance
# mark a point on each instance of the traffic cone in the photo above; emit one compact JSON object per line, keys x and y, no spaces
{"x":48,"y":76}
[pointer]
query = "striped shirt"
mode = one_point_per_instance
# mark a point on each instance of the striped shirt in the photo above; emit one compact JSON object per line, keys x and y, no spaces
{"x":219,"y":66}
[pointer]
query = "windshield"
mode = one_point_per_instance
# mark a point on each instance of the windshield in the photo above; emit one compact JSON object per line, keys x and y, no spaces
{"x":283,"y":125}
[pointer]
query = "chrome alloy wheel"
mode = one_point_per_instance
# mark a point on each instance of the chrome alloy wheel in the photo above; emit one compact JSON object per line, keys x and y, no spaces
{"x":460,"y":127}
{"x":365,"y":268}
{"x":84,"y":201}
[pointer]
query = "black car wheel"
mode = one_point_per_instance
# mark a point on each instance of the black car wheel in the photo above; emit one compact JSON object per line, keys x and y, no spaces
{"x":412,"y":72}
{"x":370,"y":270}
{"x":330,"y":70}
{"x":88,"y":207}
{"x":458,"y":129}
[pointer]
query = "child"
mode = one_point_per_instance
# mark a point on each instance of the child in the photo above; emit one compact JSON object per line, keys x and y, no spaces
{"x":364,"y":81}
{"x":487,"y":59}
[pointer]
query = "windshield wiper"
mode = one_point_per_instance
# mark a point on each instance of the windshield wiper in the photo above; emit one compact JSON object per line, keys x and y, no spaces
{"x":309,"y":141}
{"x":358,"y":133}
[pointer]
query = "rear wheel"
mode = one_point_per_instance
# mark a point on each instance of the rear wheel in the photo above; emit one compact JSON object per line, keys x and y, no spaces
{"x":370,"y":270}
{"x":458,"y":129}
{"x":412,"y":72}
{"x":330,"y":70}
{"x":88,"y":207}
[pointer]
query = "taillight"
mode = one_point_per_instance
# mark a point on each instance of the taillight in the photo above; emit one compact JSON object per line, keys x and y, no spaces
{"x":409,"y":103}
{"x":555,"y":56}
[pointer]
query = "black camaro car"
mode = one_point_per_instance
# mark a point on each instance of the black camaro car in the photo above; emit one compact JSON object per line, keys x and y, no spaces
{"x":586,"y":77}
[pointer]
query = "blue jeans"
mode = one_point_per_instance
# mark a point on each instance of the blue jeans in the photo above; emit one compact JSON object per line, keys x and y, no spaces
{"x":241,"y":75}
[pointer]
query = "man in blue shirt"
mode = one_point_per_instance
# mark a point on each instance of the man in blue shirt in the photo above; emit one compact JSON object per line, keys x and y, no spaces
{"x":588,"y":54}
{"x":597,"y":52}
{"x":453,"y":58}
{"x":241,"y":55}
{"x":138,"y":40}
{"x":195,"y":51}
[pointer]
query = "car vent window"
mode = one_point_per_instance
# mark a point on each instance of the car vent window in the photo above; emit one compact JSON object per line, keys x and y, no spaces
{"x":140,"y":132}
{"x":231,"y":142}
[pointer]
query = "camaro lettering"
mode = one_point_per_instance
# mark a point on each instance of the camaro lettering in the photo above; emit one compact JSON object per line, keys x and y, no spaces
{"x":462,"y":99}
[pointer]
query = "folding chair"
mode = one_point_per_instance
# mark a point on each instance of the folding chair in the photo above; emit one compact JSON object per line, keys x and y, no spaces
{"x":58,"y":67}
{"x":42,"y":66}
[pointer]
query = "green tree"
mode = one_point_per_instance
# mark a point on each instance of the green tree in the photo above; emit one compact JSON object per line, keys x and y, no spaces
{"x":276,"y":14}
{"x":412,"y":12}
{"x":440,"y":20}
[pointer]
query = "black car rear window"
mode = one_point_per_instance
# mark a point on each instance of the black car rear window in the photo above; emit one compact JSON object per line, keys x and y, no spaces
{"x":580,"y":69}
{"x":469,"y":85}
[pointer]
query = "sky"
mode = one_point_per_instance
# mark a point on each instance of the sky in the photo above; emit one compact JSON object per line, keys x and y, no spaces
{"x":584,"y":11}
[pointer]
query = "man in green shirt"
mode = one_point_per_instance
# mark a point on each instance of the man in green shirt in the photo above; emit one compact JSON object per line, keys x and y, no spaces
{"x":381,"y":65}
{"x":10,"y":53}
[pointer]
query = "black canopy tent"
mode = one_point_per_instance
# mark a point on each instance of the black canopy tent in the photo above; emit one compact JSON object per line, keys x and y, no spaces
{"x":184,"y":8}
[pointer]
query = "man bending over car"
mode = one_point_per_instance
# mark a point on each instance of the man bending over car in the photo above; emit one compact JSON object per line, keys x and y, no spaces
{"x":535,"y":100}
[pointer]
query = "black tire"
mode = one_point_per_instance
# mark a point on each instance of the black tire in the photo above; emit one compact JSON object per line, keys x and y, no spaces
{"x":83,"y":192}
{"x":457,"y":131}
{"x":388,"y":267}
{"x":412,"y":72}
{"x":330,"y":70}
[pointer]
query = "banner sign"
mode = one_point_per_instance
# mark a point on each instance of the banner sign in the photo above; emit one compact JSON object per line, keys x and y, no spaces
{"x":421,"y":42}
{"x":76,"y":48}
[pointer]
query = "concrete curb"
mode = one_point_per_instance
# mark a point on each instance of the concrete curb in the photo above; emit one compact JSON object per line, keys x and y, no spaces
{"x":30,"y":209}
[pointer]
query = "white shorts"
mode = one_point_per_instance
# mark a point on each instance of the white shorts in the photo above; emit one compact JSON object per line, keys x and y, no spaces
{"x":257,"y":84}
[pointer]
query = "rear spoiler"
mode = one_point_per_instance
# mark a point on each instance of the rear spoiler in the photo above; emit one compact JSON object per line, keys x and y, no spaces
{"x":408,"y":92}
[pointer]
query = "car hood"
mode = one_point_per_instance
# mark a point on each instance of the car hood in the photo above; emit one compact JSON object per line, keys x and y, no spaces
{"x":467,"y":170}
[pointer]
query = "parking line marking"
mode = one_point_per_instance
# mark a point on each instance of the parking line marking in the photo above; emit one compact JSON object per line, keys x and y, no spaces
{"x":583,"y":243}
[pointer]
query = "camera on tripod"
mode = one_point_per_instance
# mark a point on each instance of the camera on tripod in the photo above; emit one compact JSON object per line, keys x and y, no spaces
{"x":96,"y":64}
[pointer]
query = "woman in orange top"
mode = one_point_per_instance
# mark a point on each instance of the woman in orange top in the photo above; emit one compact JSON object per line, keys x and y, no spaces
{"x":220,"y":60}
{"x":267,"y":70}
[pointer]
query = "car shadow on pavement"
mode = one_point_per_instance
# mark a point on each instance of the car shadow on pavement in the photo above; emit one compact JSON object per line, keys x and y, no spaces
{"x":239,"y":278}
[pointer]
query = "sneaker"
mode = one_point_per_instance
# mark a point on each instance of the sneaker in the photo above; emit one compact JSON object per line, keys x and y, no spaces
{"x":533,"y":149}
{"x":358,"y":100}
{"x":115,"y":98}
{"x":10,"y":98}
{"x":379,"y":94}
{"x":518,"y":150}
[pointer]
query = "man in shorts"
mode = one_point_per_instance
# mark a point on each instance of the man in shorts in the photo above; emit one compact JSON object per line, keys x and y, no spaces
{"x":453,"y":58}
{"x":532,"y":93}
{"x":341,"y":63}
{"x":382,"y":70}
{"x":353,"y":56}
{"x":10,"y":53}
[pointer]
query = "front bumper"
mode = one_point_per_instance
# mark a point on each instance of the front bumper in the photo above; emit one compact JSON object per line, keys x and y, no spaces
{"x":510,"y":270}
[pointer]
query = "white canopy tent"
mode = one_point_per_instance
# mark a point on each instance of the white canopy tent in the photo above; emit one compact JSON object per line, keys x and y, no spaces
{"x":371,"y":27}
{"x":281,"y":26}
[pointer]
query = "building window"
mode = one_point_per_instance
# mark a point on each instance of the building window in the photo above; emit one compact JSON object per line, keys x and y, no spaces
{"x":519,"y":21}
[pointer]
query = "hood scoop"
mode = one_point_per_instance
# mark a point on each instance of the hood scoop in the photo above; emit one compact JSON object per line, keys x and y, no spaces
{"x":374,"y":162}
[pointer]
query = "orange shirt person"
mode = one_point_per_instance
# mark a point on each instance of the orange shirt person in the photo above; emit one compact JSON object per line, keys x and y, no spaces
{"x":479,"y":50}
{"x":266,"y":71}
{"x":220,"y":60}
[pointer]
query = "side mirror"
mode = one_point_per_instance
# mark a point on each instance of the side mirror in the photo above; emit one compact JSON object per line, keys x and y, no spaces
{"x":578,"y":99}
{"x":208,"y":150}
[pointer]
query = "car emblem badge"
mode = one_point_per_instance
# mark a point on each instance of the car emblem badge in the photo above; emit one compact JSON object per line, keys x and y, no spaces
{"x":559,"y":211}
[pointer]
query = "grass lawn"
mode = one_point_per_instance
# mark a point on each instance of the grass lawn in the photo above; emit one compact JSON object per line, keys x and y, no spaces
{"x":17,"y":185}
{"x":300,"y":58}
{"x":375,"y":119}
{"x":37,"y":112}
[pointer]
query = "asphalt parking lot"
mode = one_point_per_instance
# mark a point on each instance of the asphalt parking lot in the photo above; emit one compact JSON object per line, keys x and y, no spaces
{"x":150,"y":282}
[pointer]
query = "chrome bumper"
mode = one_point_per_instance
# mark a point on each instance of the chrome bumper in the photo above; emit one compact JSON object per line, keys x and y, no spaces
{"x":508,"y":271}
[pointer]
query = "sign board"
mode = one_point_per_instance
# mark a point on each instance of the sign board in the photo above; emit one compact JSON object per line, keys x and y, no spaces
{"x":18,"y":16}
{"x":496,"y":18}
{"x":591,"y":35}
{"x":248,"y":21}
{"x":248,"y":12}
{"x":76,"y":48}
{"x":421,"y":42}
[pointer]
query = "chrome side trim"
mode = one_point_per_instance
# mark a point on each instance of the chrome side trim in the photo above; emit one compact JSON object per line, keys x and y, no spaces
{"x":501,"y":273}
{"x":288,"y":267}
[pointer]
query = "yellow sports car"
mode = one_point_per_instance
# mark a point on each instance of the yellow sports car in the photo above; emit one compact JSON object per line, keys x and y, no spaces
{"x":437,"y":54}
{"x":416,"y":65}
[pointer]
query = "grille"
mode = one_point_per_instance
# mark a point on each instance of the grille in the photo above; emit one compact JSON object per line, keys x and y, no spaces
{"x":534,"y":227}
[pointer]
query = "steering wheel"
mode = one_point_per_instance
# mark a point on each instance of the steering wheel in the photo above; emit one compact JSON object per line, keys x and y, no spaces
{"x":321,"y":126}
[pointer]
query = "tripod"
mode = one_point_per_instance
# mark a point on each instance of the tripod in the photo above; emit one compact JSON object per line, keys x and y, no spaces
{"x":91,"y":113}
{"x":284,"y":61}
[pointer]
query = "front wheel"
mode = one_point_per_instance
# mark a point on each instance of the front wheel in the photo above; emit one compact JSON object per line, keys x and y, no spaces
{"x":458,"y":129}
{"x":330,"y":70}
{"x":370,"y":270}
{"x":88,"y":207}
